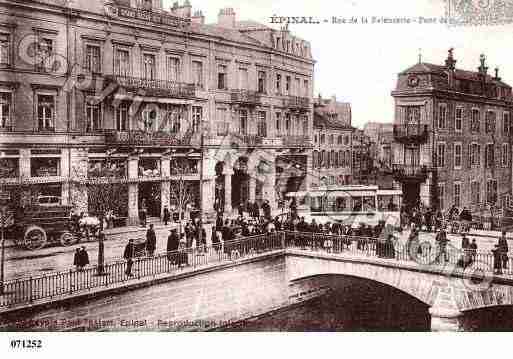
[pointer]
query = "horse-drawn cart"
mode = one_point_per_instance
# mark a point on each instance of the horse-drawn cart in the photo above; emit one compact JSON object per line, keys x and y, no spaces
{"x":35,"y":227}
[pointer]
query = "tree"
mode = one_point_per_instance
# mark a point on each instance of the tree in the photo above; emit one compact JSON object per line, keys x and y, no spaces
{"x":181,"y":191}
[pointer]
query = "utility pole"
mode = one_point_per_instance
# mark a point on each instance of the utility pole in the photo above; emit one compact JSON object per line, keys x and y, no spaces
{"x":200,"y":229}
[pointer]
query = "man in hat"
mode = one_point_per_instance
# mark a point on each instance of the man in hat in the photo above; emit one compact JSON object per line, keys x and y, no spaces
{"x":151,"y":241}
{"x":129,"y":255}
{"x":497,"y":259}
{"x":173,"y":243}
{"x":166,"y":215}
{"x":442,"y":240}
{"x":503,"y":248}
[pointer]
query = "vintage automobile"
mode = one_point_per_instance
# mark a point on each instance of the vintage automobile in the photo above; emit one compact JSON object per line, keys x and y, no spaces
{"x":36,"y":226}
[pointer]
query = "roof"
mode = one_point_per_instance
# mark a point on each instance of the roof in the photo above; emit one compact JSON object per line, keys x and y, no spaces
{"x":225,"y":33}
{"x":441,"y":70}
{"x":323,"y":121}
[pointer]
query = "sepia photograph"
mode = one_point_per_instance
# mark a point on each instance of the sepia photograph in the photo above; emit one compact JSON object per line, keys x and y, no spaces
{"x":255,"y":166}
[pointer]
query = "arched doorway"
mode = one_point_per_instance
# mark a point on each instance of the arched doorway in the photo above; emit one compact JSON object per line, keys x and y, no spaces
{"x":240,"y":182}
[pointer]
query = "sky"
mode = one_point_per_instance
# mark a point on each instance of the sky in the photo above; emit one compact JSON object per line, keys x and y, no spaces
{"x":359,"y":62}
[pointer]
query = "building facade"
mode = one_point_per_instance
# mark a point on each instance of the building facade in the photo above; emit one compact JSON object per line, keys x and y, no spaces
{"x":452,"y":135}
{"x":362,"y":157}
{"x":381,"y":138}
{"x":331,"y":157}
{"x":127,"y":92}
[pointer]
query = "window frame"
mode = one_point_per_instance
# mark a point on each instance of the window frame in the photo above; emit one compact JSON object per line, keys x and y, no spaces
{"x":52,"y":94}
{"x":88,"y":66}
{"x":440,"y":163}
{"x":9,"y":118}
{"x":460,"y":110}
{"x":460,"y":146}
{"x":440,"y":119}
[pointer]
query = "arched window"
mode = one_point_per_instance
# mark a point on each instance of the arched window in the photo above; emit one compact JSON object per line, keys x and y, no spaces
{"x":339,"y":140}
{"x":315,"y":159}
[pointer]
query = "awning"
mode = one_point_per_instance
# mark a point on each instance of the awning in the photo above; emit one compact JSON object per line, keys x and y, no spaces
{"x":390,"y":192}
{"x":296,"y":194}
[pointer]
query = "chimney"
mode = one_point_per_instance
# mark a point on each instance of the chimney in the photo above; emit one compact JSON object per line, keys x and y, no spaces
{"x":483,"y":69}
{"x":450,"y":64}
{"x":497,"y":74}
{"x":183,"y":11}
{"x":226,"y":18}
{"x":198,"y":18}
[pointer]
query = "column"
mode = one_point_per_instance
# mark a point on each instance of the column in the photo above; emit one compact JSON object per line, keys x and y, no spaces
{"x":65,"y":172}
{"x":165,"y":186}
{"x":228,"y":173}
{"x":25,"y":163}
{"x":445,"y":320}
{"x":269,"y":189}
{"x":307,"y":182}
{"x":425,"y":191}
{"x":133,"y":191}
{"x":78,"y":172}
{"x":252,"y":187}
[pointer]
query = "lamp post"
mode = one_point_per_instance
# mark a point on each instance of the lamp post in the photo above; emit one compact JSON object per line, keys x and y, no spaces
{"x":4,"y":198}
{"x":200,"y":229}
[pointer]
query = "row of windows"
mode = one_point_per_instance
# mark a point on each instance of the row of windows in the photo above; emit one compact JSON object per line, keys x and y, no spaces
{"x":474,"y":155}
{"x":321,"y":139}
{"x":285,"y":124}
{"x":476,"y":195}
{"x":285,"y":86}
{"x":333,"y":159}
{"x":475,"y":120}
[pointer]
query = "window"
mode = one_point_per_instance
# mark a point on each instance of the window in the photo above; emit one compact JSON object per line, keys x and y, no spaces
{"x":348,"y":158}
{"x":330,"y":139}
{"x":122,"y":117}
{"x":45,"y":112}
{"x":441,"y":195}
{"x":221,"y":78}
{"x":278,"y":83}
{"x":45,"y":167}
{"x":442,"y":116}
{"x":278,"y":40}
{"x":261,"y":124}
{"x":505,"y":123}
{"x":44,"y":51}
{"x":322,"y":139}
{"x":243,"y":122}
{"x":197,"y":73}
{"x":288,"y":127}
{"x":149,"y":67}
{"x":334,"y":159}
{"x":5,"y":50}
{"x":458,"y":121}
{"x":305,"y":125}
{"x":490,"y":122}
{"x":324,"y":159}
{"x":489,"y":156}
{"x":93,"y":59}
{"x":346,"y":140}
{"x":505,"y":155}
{"x":222,"y":123}
{"x":173,"y":69}
{"x":475,"y":154}
{"x":149,"y":117}
{"x":475,"y":192}
{"x":243,"y":78}
{"x":287,"y":84}
{"x":339,"y":140}
{"x":262,"y":86}
{"x":440,"y":152}
{"x":457,"y":155}
{"x":197,"y":115}
{"x":122,"y":63}
{"x":298,"y":87}
{"x":341,"y":159}
{"x":491,"y":191}
{"x":475,"y":121}
{"x":457,"y":194}
{"x":5,"y":110}
{"x":93,"y":116}
{"x":278,"y":123}
{"x":306,"y":88}
{"x":315,"y":159}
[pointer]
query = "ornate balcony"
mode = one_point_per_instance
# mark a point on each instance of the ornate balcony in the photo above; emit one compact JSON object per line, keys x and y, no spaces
{"x":297,"y":141}
{"x":409,"y":173}
{"x":408,"y":134}
{"x":246,"y":97}
{"x":158,"y":88}
{"x":247,"y":140}
{"x":142,"y":138}
{"x":297,"y":103}
{"x":157,"y":17}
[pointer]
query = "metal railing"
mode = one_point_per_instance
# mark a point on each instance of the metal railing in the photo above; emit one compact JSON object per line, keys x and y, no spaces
{"x":247,"y":97}
{"x":63,"y":284}
{"x":296,"y":102}
{"x":297,"y":141}
{"x":424,"y":255}
{"x":143,"y":138}
{"x":411,"y":133}
{"x":409,"y":171}
{"x":156,"y":87}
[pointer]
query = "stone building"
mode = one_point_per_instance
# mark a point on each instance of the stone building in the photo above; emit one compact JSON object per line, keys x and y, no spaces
{"x":125,"y":91}
{"x":453,"y":135}
{"x":331,"y":157}
{"x":381,"y":137}
{"x":362,"y":157}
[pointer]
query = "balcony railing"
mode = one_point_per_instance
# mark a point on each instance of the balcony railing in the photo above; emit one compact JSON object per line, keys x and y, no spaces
{"x":245,"y":97}
{"x":159,"y":88}
{"x":297,"y":141}
{"x":403,"y":172}
{"x":414,"y":133}
{"x":158,"y":17}
{"x":296,"y":102}
{"x":250,"y":140}
{"x":142,"y":138}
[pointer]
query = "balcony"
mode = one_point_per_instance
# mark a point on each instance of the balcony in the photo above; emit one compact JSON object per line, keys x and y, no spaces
{"x":142,"y":138}
{"x":157,"y":88}
{"x":246,"y":97}
{"x":409,"y":134}
{"x":296,"y":141}
{"x":297,"y":103}
{"x":409,"y":173}
{"x":246,"y":140}
{"x":157,"y":17}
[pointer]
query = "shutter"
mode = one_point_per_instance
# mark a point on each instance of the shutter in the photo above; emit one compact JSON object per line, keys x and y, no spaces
{"x":469,"y":155}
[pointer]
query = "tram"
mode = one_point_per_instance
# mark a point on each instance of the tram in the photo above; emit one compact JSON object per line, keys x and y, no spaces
{"x":350,"y":205}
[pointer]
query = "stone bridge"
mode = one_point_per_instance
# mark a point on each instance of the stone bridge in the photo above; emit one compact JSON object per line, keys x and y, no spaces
{"x":219,"y":291}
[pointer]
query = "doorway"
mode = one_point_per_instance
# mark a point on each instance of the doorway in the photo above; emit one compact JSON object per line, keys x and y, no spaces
{"x":150,"y":196}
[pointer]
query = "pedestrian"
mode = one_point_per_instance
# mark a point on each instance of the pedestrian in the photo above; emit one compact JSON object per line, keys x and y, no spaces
{"x":151,"y":241}
{"x":81,"y":258}
{"x":267,"y":210}
{"x":497,"y":260}
{"x":473,"y":250}
{"x":503,"y":248}
{"x":143,"y":213}
{"x":166,"y":216}
{"x":441,"y":240}
{"x":129,"y":255}
{"x":465,"y":243}
{"x":183,"y":257}
{"x":76,"y":259}
{"x":173,"y":243}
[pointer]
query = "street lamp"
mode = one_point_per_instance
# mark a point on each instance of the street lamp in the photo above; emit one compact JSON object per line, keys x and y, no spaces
{"x":4,"y":199}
